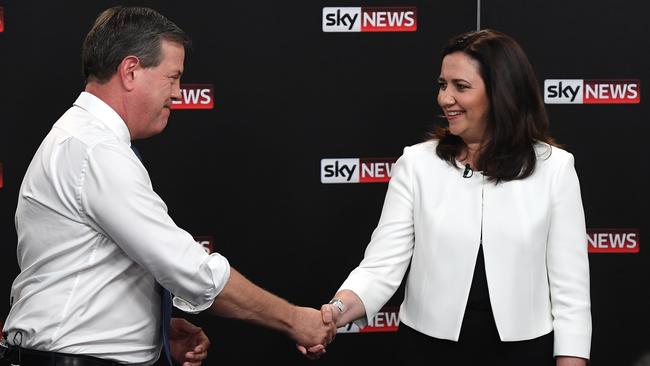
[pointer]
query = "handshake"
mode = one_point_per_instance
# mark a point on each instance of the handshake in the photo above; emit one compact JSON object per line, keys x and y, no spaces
{"x":313,"y":330}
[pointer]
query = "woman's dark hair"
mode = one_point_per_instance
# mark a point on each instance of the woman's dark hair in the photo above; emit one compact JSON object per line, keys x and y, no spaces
{"x":516,"y":119}
{"x":119,"y":32}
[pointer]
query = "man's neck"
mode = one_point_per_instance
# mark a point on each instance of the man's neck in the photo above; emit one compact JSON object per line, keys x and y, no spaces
{"x":110,"y":95}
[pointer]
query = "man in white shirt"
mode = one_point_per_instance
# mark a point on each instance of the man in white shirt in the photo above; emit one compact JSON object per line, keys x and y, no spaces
{"x":96,"y":246}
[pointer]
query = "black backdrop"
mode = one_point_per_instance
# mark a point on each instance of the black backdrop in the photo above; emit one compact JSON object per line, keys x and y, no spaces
{"x":287,"y":94}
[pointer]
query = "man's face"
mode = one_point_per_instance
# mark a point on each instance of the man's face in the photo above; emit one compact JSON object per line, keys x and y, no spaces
{"x":156,"y":87}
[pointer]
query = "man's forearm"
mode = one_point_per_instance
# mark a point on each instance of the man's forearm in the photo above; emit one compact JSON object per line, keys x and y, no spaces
{"x":242,"y":299}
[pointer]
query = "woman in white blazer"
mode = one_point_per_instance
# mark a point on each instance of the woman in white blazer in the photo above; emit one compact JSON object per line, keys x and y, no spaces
{"x":488,"y":216}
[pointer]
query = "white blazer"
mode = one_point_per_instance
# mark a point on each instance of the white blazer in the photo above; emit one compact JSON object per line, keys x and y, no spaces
{"x":534,"y":243}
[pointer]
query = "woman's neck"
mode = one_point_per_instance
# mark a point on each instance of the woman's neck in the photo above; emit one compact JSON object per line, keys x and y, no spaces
{"x":470,"y":154}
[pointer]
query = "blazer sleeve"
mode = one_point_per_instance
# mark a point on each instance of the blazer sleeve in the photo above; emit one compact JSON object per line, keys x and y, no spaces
{"x":568,"y":265}
{"x":388,"y":254}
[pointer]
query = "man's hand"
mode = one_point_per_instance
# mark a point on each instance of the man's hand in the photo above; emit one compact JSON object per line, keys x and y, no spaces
{"x":329,"y":315}
{"x":311,"y":330}
{"x":187,"y":343}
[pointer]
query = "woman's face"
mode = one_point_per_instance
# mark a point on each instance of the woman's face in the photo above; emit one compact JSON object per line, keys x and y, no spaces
{"x":462,"y":97}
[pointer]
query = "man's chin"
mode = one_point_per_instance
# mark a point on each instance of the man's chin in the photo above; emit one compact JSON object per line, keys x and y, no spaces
{"x":153,"y":131}
{"x":162,"y":126}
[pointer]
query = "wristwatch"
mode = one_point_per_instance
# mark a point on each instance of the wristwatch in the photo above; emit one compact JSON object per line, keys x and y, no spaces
{"x":338,"y":303}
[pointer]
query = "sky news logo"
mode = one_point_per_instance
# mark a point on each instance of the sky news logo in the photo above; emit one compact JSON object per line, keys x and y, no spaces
{"x":356,"y":170}
{"x":375,"y":19}
{"x":613,"y":240}
{"x":207,"y":242}
{"x":386,"y":320}
{"x":195,"y":96}
{"x":601,"y":91}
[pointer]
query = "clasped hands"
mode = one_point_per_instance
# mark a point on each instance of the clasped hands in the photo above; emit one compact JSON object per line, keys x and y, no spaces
{"x":188,"y":343}
{"x":315,"y":330}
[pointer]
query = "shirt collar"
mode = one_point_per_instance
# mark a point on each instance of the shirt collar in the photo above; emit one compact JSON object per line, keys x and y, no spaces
{"x":104,"y":113}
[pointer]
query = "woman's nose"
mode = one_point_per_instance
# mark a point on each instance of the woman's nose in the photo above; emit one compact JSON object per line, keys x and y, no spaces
{"x":445,"y":98}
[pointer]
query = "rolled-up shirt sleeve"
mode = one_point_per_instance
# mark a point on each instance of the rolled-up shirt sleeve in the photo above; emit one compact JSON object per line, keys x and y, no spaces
{"x":117,"y":199}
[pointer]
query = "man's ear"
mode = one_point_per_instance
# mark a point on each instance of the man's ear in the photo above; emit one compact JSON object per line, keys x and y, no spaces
{"x":127,"y":70}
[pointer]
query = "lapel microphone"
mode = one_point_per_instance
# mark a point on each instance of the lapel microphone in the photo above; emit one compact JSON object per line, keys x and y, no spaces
{"x":468,"y":173}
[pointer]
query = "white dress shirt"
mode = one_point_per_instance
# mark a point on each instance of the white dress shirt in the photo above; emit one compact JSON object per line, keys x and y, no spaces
{"x":94,"y":240}
{"x":534,"y":242}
